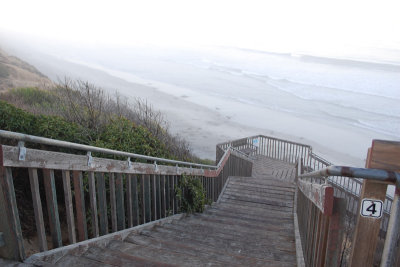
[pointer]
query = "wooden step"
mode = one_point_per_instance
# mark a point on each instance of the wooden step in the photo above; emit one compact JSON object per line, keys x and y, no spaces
{"x":221,"y":254}
{"x":79,"y":261}
{"x":116,"y":257}
{"x":253,"y":211}
{"x":204,"y":253}
{"x":160,"y":254}
{"x":225,"y":246}
{"x":235,"y":232}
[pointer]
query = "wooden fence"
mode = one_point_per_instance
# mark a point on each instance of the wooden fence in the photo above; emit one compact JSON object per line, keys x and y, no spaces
{"x":95,"y":196}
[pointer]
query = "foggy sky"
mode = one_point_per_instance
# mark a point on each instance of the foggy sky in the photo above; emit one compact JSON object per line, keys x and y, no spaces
{"x":334,"y":27}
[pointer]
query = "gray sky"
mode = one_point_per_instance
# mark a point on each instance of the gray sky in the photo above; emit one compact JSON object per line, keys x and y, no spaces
{"x":323,"y":27}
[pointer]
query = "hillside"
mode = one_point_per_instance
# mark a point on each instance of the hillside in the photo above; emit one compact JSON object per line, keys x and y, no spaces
{"x":16,"y":73}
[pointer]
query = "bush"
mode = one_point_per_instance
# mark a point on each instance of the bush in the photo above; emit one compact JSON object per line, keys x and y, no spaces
{"x":99,"y":117}
{"x":191,"y":194}
{"x":122,"y":134}
{"x":15,"y":119}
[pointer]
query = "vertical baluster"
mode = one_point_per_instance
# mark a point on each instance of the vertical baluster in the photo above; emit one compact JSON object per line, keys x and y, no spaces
{"x":158,"y":197}
{"x":153,"y":197}
{"x":119,"y":186}
{"x":167,"y":195}
{"x":135,"y":200}
{"x":52,"y":207}
{"x":68,"y":204}
{"x":163,"y":197}
{"x":263,"y":146}
{"x":113,"y":203}
{"x":129,"y":200}
{"x":147,"y":201}
{"x":175,"y":198}
{"x":142,"y":198}
{"x":80,"y":206}
{"x":172,"y":192}
{"x":101,"y":194}
{"x":37,"y":207}
{"x":93,"y":204}
{"x":285,"y":152}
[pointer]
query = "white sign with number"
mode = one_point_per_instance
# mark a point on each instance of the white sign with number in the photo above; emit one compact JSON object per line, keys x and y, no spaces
{"x":255,"y":142}
{"x":371,"y":208}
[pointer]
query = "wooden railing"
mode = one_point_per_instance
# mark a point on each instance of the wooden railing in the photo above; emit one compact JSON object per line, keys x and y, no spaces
{"x":346,"y":193}
{"x":362,"y":241}
{"x":271,"y":147}
{"x":320,"y":220}
{"x":350,"y":190}
{"x":98,"y":195}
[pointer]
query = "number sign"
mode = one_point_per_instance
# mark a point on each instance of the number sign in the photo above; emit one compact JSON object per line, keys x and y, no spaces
{"x":371,"y":208}
{"x":255,"y":142}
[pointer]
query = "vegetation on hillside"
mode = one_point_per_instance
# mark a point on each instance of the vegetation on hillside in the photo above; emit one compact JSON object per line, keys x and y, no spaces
{"x":80,"y":112}
{"x":17,"y":73}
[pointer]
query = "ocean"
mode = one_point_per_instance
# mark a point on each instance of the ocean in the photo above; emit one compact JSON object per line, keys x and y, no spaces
{"x":342,"y":91}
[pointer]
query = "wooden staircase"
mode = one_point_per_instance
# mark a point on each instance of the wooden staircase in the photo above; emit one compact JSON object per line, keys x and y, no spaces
{"x":250,"y":225}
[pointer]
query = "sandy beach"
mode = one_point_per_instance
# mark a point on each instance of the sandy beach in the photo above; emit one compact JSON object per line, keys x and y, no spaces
{"x":206,"y":119}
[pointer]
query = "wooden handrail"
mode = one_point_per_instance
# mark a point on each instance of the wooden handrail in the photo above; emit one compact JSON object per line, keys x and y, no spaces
{"x":138,"y":192}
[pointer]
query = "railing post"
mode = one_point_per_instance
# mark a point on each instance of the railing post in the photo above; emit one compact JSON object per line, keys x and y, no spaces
{"x":382,"y":155}
{"x":392,"y":235}
{"x":335,"y":233}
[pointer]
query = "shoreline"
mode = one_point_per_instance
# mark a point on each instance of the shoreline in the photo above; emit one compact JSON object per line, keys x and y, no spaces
{"x":190,"y":115}
{"x":206,"y":120}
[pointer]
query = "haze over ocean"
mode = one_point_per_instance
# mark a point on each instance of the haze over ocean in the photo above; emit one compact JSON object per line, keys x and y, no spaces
{"x":346,"y":91}
{"x":248,"y":86}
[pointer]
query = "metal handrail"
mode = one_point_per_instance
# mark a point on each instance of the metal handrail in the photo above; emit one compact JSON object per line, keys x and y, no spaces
{"x":370,"y":174}
{"x":87,"y":148}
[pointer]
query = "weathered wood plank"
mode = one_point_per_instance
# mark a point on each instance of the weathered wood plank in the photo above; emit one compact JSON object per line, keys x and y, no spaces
{"x":320,"y":194}
{"x":52,"y":207}
{"x":63,"y":161}
{"x":37,"y":207}
{"x":153,"y":197}
{"x":102,"y":197}
{"x":142,"y":199}
{"x":162,"y":196}
{"x":172,"y":192}
{"x":385,"y":155}
{"x":147,"y":198}
{"x":167,"y":195}
{"x":158,"y":197}
{"x":119,"y":184}
{"x":382,"y":154}
{"x":93,"y":204}
{"x":135,"y":200}
{"x":80,"y":206}
{"x":9,"y":221}
{"x":69,"y":206}
{"x":129,"y":200}
{"x":113,"y":203}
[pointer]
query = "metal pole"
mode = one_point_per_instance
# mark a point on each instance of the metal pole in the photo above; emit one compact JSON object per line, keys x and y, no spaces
{"x":392,"y":235}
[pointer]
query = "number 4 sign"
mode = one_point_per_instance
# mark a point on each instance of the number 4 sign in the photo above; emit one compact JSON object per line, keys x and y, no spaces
{"x":371,"y":208}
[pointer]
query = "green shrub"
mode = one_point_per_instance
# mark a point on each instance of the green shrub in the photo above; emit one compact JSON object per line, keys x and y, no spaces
{"x":15,"y":119}
{"x":191,"y":194}
{"x":122,"y":134}
{"x":34,"y":96}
